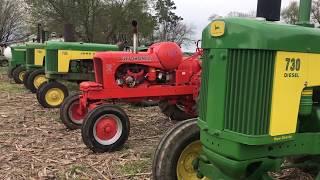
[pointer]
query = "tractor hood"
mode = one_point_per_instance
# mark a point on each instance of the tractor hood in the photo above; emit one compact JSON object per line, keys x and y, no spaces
{"x":245,"y":33}
{"x":35,"y":46}
{"x":54,"y":45}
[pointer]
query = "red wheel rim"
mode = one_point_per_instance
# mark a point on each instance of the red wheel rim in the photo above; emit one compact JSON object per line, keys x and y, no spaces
{"x":107,"y":129}
{"x":75,"y":115}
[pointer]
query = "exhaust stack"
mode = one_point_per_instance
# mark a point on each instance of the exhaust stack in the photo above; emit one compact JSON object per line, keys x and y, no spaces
{"x":135,"y":36}
{"x":68,"y":33}
{"x":39,"y":29}
{"x":304,"y":13}
{"x":269,"y":9}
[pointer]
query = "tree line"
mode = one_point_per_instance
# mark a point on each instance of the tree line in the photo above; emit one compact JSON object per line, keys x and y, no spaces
{"x":290,"y":14}
{"x":109,"y":21}
{"x":100,"y":21}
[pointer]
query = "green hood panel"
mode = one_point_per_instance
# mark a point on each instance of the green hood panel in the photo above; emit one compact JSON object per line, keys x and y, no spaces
{"x":19,"y":47}
{"x":54,"y":45}
{"x":245,"y":33}
{"x":35,"y":46}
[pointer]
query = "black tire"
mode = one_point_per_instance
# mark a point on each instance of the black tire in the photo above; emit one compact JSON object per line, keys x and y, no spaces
{"x":25,"y":78}
{"x":4,"y":63}
{"x":65,"y":112}
{"x":37,"y":94}
{"x":87,"y":130}
{"x":173,"y":111}
{"x":31,"y":78}
{"x":170,"y":148}
{"x":45,"y":88}
{"x":18,"y":74}
{"x":10,"y":72}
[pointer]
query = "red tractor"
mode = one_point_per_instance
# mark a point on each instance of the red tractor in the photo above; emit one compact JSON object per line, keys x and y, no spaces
{"x":161,"y":73}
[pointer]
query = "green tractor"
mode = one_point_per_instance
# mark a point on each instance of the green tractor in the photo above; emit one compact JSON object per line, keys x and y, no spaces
{"x":34,"y":76}
{"x":259,"y":102}
{"x":67,"y":61}
{"x":17,"y":68}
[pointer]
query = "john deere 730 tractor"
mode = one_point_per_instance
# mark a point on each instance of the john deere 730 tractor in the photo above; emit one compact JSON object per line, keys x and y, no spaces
{"x":17,"y":68}
{"x":68,"y":61}
{"x":259,"y":101}
{"x":34,"y":76}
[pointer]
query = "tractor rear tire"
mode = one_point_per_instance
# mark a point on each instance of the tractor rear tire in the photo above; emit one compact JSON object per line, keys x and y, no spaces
{"x":180,"y":144}
{"x":68,"y":112}
{"x":36,"y":79}
{"x":105,"y":129}
{"x":174,"y":112}
{"x":52,"y":94}
{"x":18,"y":74}
{"x":25,"y":79}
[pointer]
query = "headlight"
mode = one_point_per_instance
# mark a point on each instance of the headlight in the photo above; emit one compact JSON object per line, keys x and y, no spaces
{"x":7,"y":53}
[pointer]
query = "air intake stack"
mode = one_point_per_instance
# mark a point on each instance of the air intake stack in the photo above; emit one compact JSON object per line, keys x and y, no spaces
{"x":304,"y":13}
{"x":135,"y":36}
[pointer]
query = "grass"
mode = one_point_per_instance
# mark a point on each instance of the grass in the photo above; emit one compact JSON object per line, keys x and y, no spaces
{"x":135,"y":167}
{"x":8,"y":85}
{"x":74,"y":172}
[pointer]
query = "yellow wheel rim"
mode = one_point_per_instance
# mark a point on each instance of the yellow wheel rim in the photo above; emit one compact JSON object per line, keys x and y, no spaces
{"x":21,"y":75}
{"x":38,"y":80}
{"x":54,"y":97}
{"x":185,"y":169}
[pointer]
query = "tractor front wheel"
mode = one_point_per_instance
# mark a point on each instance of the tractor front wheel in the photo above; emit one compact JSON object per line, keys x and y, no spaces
{"x":105,"y":129}
{"x":25,"y":78}
{"x":176,"y":152}
{"x":174,"y":111}
{"x":52,"y":94}
{"x":36,"y":79}
{"x":69,"y":112}
{"x":18,"y":74}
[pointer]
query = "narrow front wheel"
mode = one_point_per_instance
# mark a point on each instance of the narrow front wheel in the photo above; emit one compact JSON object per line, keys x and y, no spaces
{"x":70,"y":113}
{"x":52,"y":94}
{"x":18,"y":74}
{"x":105,"y":129}
{"x":36,"y":79}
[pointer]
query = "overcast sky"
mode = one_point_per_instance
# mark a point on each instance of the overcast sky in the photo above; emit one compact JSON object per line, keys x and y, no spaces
{"x":197,"y":12}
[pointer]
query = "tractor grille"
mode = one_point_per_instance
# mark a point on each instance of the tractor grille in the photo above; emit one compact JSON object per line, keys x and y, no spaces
{"x":98,"y":70}
{"x":51,"y":62}
{"x":249,"y":91}
{"x":30,"y":56}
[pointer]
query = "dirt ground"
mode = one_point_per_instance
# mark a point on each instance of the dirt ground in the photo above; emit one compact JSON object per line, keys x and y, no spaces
{"x":34,"y":144}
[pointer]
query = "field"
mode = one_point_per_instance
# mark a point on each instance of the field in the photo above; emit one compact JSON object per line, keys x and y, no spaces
{"x":34,"y":144}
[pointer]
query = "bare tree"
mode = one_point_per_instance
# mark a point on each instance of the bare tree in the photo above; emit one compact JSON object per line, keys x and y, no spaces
{"x":315,"y":11}
{"x":290,"y":13}
{"x":181,"y":34}
{"x":12,"y":25}
{"x":170,"y":26}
